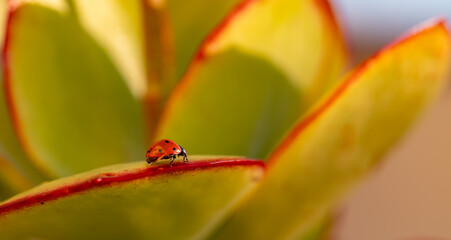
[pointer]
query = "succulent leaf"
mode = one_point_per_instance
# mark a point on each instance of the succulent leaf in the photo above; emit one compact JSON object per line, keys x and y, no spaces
{"x":173,"y":31}
{"x":345,"y":135}
{"x":133,"y":201}
{"x":17,"y":173}
{"x":80,"y":79}
{"x":117,"y":26}
{"x":16,"y":169}
{"x":70,"y":106}
{"x":191,"y":27}
{"x":253,"y":77}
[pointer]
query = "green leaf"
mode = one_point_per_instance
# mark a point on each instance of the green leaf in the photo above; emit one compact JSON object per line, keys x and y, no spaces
{"x":71,"y":107}
{"x":344,"y":136}
{"x":174,"y":29}
{"x":133,"y":201}
{"x":16,"y":170}
{"x":117,"y":25}
{"x":253,"y":78}
{"x":12,"y":179}
{"x":191,"y":21}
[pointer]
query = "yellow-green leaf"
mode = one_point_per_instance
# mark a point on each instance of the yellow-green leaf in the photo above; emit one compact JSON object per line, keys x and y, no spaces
{"x":344,"y":136}
{"x":133,"y":201}
{"x":118,"y":26}
{"x":191,"y":21}
{"x":174,"y":30}
{"x":16,"y":169}
{"x":71,"y":108}
{"x":253,"y":78}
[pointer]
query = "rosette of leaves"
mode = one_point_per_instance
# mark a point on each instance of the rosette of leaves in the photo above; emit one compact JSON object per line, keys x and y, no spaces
{"x":87,"y":86}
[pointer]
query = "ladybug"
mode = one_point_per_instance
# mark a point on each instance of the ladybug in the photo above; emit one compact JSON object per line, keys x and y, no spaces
{"x":165,"y":149}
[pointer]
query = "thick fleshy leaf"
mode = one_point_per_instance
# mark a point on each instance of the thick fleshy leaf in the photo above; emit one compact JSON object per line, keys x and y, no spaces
{"x":16,"y":170}
{"x":344,"y":136}
{"x":118,"y":26}
{"x":12,"y":179}
{"x":173,"y":31}
{"x":253,"y":78}
{"x":192,"y":20}
{"x":133,"y":201}
{"x":70,"y":106}
{"x":5,"y":188}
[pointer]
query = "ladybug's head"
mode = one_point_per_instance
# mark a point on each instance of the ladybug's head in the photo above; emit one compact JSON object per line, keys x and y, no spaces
{"x":183,"y":153}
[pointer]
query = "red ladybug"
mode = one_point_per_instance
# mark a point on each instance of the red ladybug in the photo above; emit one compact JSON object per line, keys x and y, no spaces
{"x":165,"y":149}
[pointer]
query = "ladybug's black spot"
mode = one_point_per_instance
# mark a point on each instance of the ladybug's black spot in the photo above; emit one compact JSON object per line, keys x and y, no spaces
{"x":173,"y":149}
{"x":160,"y":150}
{"x":166,"y":141}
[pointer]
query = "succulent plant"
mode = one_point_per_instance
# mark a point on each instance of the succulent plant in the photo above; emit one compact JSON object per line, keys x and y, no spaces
{"x":251,"y":89}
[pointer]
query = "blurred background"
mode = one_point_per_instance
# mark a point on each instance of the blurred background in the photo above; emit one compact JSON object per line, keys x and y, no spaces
{"x":409,"y":195}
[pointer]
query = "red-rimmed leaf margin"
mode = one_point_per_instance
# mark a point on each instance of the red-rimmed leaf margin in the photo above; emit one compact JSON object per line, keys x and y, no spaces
{"x":33,"y":169}
{"x":116,"y":110}
{"x":322,"y":156}
{"x":311,"y":117}
{"x":265,"y":84}
{"x":201,"y":56}
{"x":6,"y":73}
{"x":328,"y":12}
{"x":109,"y":178}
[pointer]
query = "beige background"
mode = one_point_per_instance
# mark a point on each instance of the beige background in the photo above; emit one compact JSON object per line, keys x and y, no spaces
{"x":409,"y":196}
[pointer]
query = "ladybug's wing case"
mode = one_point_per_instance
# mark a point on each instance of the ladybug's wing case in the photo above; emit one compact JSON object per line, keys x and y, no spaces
{"x":156,"y":151}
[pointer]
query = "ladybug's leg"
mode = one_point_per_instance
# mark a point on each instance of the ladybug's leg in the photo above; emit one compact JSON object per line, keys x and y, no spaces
{"x":150,"y":160}
{"x":185,"y":158}
{"x":172,"y":160}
